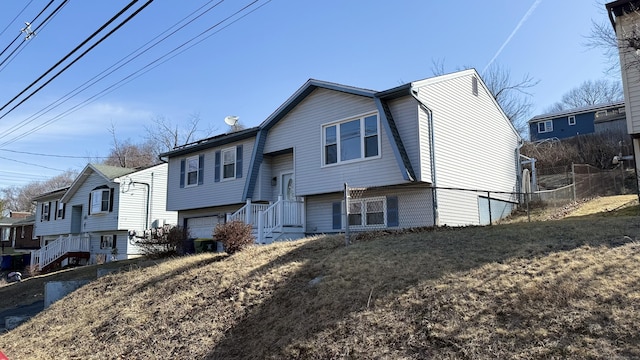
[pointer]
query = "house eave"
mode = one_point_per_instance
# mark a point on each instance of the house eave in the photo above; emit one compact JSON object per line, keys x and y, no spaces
{"x":215,"y":141}
{"x":575,"y":111}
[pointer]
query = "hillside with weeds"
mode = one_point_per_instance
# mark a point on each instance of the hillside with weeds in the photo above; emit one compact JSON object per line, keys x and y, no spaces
{"x":540,"y":290}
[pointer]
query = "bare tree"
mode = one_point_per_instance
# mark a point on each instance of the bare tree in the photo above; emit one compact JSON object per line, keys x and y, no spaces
{"x":603,"y":38}
{"x":590,"y":92}
{"x":19,"y":198}
{"x":512,"y":95}
{"x":125,"y":153}
{"x":165,"y":135}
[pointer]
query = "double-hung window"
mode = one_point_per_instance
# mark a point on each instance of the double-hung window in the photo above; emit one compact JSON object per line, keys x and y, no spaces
{"x":367,"y":212}
{"x":193,"y":167}
{"x":351,"y":140}
{"x":100,"y":201}
{"x":46,"y":211}
{"x":545,"y":126}
{"x":229,"y":163}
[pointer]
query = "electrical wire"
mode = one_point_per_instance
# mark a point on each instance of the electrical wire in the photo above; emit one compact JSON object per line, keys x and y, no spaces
{"x":157,"y":62}
{"x":15,"y":18}
{"x":150,"y":66}
{"x":19,"y":34}
{"x":140,"y":50}
{"x":95,"y":33}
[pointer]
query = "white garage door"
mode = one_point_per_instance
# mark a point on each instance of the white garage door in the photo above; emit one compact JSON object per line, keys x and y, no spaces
{"x":202,"y":227}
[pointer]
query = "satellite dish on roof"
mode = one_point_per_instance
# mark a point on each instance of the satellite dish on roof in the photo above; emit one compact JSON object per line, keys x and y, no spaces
{"x":231,"y":120}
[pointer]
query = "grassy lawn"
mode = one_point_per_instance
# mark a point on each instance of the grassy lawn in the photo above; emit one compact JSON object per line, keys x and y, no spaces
{"x":541,"y":290}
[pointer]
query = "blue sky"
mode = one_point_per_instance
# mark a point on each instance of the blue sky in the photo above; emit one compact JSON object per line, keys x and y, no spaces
{"x":252,"y":66}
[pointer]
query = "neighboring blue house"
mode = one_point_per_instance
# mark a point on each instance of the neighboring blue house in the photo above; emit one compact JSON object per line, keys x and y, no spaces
{"x":585,"y":120}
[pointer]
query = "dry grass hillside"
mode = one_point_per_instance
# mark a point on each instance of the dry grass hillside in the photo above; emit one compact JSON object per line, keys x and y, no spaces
{"x":539,"y":290}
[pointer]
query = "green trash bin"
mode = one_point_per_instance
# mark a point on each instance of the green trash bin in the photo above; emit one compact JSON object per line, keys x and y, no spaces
{"x":204,"y":245}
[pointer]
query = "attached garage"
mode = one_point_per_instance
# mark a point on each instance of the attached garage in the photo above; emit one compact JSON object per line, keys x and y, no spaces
{"x":202,"y":227}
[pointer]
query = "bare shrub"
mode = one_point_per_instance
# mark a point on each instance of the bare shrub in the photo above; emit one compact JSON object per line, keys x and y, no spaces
{"x":594,"y":149}
{"x":234,"y":235}
{"x":163,"y":241}
{"x":32,"y":270}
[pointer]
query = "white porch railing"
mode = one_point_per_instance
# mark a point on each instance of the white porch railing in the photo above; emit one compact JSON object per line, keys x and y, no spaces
{"x":280,"y":214}
{"x":55,"y":249}
{"x":248,"y":213}
{"x":269,"y":219}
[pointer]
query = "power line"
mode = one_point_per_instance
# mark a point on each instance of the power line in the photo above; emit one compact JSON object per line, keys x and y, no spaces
{"x":113,"y":68}
{"x":32,"y":21}
{"x":157,"y":62}
{"x":16,"y":17}
{"x":95,"y":33}
{"x":53,"y":155}
{"x":150,"y":66}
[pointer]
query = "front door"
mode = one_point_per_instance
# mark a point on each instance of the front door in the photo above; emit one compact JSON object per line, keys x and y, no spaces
{"x":288,"y":192}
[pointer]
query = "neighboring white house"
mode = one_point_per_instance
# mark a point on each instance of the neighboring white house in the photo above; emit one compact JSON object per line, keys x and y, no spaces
{"x":100,"y":209}
{"x":625,"y":18}
{"x":409,"y":143}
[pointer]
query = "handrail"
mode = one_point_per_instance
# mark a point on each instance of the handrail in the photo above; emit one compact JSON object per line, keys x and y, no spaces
{"x":57,"y":248}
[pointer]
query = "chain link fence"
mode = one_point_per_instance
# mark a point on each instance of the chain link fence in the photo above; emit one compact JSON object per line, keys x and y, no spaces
{"x":413,"y":206}
{"x":590,"y":181}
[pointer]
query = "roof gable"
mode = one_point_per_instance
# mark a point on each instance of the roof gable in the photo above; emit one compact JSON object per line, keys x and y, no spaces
{"x":107,"y":172}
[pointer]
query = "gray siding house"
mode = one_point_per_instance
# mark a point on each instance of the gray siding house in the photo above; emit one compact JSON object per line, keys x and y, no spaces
{"x":406,"y":144}
{"x":98,"y":212}
{"x":625,"y":18}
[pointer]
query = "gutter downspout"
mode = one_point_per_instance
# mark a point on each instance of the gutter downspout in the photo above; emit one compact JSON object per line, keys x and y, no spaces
{"x":432,"y":156}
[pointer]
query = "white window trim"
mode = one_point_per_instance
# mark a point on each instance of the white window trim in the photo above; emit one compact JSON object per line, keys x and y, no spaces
{"x":362,"y":138}
{"x":548,"y":128}
{"x":59,"y":210}
{"x":106,"y":242}
{"x":363,"y":213}
{"x":97,"y":194}
{"x":186,"y":170}
{"x":572,"y":120}
{"x":46,"y":212}
{"x":233,"y":151}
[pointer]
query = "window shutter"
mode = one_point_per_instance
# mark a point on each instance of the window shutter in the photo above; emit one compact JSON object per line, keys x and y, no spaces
{"x":89,"y":208}
{"x":49,"y":212}
{"x":110,"y":200}
{"x":200,"y":169}
{"x":337,"y":215}
{"x":64,"y":209}
{"x":239,"y":161}
{"x":216,"y":170}
{"x":55,"y":212}
{"x":114,"y":243}
{"x":392,"y":211}
{"x":41,"y":212}
{"x":182,"y":167}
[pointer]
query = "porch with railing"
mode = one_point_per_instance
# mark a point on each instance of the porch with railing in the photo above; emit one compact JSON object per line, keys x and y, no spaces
{"x":272,"y":221}
{"x":58,"y":248}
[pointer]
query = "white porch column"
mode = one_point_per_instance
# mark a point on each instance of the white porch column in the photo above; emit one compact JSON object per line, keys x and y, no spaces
{"x":249,"y":213}
{"x":260,"y":238}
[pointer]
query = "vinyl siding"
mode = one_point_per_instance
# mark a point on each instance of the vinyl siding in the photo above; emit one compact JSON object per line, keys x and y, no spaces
{"x":95,"y":222}
{"x":301,"y":129}
{"x":630,"y":74}
{"x":133,"y":198}
{"x":280,"y":164}
{"x":54,"y":226}
{"x":415,"y":207}
{"x":210,"y":193}
{"x":413,"y":127}
{"x":474,"y":146}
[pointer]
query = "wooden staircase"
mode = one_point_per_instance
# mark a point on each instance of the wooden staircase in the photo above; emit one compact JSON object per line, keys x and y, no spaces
{"x":52,"y":255}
